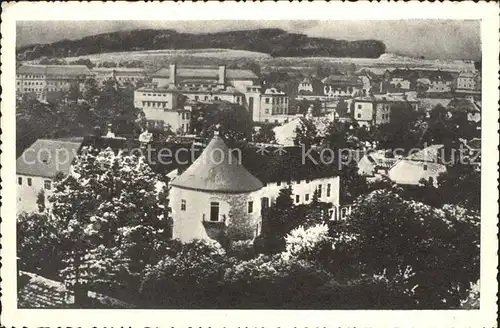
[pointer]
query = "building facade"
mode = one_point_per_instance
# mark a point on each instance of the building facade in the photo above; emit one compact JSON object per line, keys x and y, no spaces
{"x":37,"y":167}
{"x":373,"y":111}
{"x":121,"y":75}
{"x":274,"y":107}
{"x":216,"y":197}
{"x":44,"y":81}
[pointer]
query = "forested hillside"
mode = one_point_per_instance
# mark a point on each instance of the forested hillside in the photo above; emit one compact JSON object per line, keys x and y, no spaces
{"x":276,"y":42}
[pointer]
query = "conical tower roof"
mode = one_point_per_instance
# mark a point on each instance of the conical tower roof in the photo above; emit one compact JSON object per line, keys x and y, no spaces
{"x":218,"y":170}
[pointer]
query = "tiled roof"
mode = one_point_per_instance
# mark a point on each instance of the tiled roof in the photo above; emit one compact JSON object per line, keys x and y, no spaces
{"x":342,"y":80}
{"x":35,"y":291}
{"x":213,"y":73}
{"x":120,"y":71}
{"x":463,"y":105}
{"x":55,"y":70}
{"x":217,"y":169}
{"x":429,"y":154}
{"x":44,"y":158}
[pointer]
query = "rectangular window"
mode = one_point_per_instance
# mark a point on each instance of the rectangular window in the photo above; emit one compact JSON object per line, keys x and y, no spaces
{"x":47,"y":184}
{"x":278,"y":183}
{"x":183,"y":204}
{"x":214,"y":211}
{"x":19,"y":181}
{"x":425,"y":167}
{"x":265,"y":202}
{"x":267,"y":100}
{"x":359,"y":115}
{"x":359,"y":106}
{"x":297,"y":198}
{"x":306,"y":197}
{"x":29,"y":181}
{"x":250,"y":206}
{"x":328,"y":189}
{"x":319,"y":191}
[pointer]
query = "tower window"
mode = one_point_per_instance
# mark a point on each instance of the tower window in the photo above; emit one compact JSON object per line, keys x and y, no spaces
{"x":328,"y":189}
{"x":306,"y":197}
{"x":183,"y":205}
{"x":250,"y":206}
{"x":214,"y":211}
{"x":19,"y":181}
{"x":29,"y":181}
{"x":47,"y":184}
{"x":297,"y":198}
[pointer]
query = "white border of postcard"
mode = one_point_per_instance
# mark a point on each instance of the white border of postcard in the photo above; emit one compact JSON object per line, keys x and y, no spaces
{"x":484,"y":317}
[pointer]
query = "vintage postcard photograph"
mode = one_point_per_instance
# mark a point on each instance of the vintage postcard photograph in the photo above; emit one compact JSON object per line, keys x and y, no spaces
{"x":169,"y":167}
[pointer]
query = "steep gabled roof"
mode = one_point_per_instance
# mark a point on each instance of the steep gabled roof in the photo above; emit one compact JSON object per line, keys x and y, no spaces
{"x":429,"y":154}
{"x":56,"y":70}
{"x":45,"y":157}
{"x":218,"y":170}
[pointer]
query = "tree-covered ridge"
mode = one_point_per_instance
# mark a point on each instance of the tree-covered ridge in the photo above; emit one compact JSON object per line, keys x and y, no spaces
{"x":276,"y":42}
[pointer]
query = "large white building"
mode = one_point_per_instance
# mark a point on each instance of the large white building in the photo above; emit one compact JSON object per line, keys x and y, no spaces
{"x":376,"y":110}
{"x":37,"y":167}
{"x":49,"y":81}
{"x":217,"y":196}
{"x":425,"y":164}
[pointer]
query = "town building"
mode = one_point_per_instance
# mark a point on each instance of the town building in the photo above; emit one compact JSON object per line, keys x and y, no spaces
{"x":468,"y":81}
{"x":375,"y":163}
{"x":205,"y":77}
{"x":286,"y":134}
{"x":425,"y":164}
{"x":49,"y":81}
{"x":376,"y":110}
{"x":273,"y":107}
{"x":221,"y":195}
{"x":161,"y":107}
{"x":121,"y":75}
{"x":342,"y":86}
{"x":37,"y":167}
{"x":466,"y":107}
{"x":311,"y":86}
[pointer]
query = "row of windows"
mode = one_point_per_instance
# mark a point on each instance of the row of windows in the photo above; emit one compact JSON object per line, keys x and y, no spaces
{"x":280,"y":100}
{"x":185,"y":115}
{"x":31,"y":76}
{"x":155,"y":94}
{"x":47,"y":184}
{"x":158,"y":104}
{"x":214,"y":206}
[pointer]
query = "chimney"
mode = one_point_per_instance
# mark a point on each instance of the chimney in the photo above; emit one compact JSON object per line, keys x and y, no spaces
{"x":173,"y":74}
{"x":222,"y":74}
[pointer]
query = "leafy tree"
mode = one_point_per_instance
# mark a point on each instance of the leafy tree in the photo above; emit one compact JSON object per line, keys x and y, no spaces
{"x":187,"y":276}
{"x":90,"y":90}
{"x":39,"y":247}
{"x":265,"y":134}
{"x":306,"y":134}
{"x":461,"y":185}
{"x":231,"y":120}
{"x":109,"y":219}
{"x":40,"y":201}
{"x":429,"y":255}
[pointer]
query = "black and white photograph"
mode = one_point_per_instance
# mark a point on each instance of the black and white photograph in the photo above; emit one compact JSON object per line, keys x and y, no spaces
{"x":227,"y":164}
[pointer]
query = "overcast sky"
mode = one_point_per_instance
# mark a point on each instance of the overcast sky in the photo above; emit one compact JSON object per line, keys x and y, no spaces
{"x":445,"y":39}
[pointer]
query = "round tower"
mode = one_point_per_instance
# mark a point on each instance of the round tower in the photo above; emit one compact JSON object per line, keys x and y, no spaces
{"x":216,"y":197}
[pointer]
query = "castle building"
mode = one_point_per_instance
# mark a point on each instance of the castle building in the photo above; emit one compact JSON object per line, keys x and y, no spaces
{"x":215,"y":192}
{"x":221,"y":195}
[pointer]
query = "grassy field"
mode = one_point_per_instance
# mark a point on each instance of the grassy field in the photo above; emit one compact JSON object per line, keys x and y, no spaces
{"x":154,"y":59}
